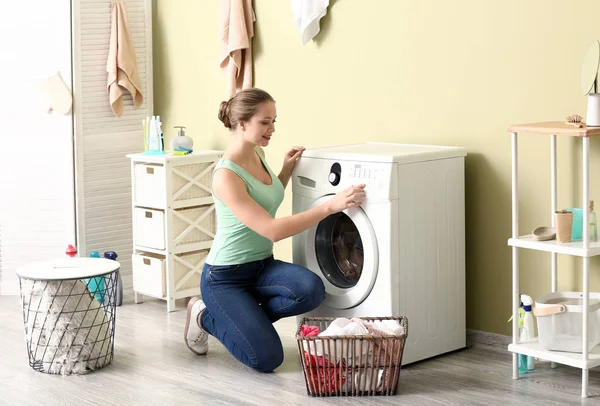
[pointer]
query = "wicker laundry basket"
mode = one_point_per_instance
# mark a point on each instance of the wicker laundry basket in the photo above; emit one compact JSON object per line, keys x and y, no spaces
{"x":361,"y":365}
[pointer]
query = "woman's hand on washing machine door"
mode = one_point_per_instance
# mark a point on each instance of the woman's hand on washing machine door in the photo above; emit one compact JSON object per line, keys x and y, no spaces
{"x":352,"y":196}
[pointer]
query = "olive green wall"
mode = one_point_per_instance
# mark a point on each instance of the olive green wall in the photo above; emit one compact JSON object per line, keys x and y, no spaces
{"x":427,"y":71}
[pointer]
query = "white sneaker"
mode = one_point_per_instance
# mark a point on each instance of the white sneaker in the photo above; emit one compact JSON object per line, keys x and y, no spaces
{"x":196,"y":338}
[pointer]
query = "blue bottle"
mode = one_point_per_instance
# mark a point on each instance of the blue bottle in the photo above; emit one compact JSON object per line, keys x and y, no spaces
{"x":117,"y":278}
{"x":96,"y":285}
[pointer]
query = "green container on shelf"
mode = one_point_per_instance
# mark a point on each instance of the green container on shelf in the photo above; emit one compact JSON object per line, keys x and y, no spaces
{"x":577,"y":230}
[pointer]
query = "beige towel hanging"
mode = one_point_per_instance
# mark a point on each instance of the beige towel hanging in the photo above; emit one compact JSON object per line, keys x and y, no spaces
{"x":121,"y":65}
{"x":236,"y":31}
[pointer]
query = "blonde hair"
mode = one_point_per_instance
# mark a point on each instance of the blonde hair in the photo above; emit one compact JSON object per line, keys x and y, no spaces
{"x":242,"y":106}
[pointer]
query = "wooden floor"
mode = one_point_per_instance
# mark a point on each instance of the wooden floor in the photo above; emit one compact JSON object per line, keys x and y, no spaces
{"x":152,"y":366}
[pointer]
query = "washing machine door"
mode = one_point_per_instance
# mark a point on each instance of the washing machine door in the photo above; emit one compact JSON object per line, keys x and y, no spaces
{"x":342,"y":250}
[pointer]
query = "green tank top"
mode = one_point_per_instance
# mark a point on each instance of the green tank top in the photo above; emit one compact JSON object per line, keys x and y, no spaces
{"x":235,"y":243}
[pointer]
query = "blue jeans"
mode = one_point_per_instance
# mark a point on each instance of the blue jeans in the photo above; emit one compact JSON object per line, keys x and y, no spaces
{"x":243,"y":301}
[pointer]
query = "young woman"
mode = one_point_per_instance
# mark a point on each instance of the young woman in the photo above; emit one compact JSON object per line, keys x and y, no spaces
{"x":244,"y":289}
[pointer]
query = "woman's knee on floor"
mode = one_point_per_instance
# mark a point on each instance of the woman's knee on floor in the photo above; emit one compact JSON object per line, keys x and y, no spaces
{"x":267,"y":357}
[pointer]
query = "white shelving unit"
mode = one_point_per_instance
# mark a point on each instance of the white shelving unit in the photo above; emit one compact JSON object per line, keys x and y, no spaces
{"x":174,"y":223}
{"x":585,"y":249}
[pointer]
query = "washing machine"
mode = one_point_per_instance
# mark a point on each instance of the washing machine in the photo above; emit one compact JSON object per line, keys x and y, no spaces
{"x":402,"y":252}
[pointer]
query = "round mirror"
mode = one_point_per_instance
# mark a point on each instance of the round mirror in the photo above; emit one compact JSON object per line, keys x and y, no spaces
{"x":589,"y":70}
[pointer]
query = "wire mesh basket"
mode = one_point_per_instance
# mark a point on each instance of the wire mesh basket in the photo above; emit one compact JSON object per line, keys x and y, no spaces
{"x":69,"y":324}
{"x":559,"y":318}
{"x":354,"y":365}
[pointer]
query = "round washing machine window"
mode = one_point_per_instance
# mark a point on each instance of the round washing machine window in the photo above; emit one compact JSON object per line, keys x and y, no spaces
{"x":342,"y":250}
{"x":339,"y":250}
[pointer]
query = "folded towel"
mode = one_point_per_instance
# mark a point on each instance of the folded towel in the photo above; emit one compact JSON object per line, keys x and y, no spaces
{"x":121,"y":65}
{"x":307,"y":14}
{"x":236,"y":32}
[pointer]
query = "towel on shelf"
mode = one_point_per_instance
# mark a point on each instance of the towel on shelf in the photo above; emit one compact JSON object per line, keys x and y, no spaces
{"x":236,"y":31}
{"x":121,"y":65}
{"x":307,"y":14}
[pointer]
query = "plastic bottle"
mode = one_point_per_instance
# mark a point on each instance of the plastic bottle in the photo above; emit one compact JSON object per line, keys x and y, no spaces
{"x":71,"y":251}
{"x":96,"y":285}
{"x":160,"y":133}
{"x":119,"y":296}
{"x":520,"y":320}
{"x":593,"y":225}
{"x":154,"y":143}
{"x":528,"y":332}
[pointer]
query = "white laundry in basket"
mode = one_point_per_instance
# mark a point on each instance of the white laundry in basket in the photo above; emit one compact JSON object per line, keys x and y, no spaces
{"x":355,"y":328}
{"x":67,"y":328}
{"x":340,"y":327}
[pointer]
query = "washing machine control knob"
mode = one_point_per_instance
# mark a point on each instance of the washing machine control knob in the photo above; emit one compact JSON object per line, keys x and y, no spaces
{"x":335,"y":173}
{"x":334,"y":178}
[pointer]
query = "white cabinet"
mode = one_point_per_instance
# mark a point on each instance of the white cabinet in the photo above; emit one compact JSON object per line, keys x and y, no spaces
{"x":584,"y":249}
{"x":174,"y":223}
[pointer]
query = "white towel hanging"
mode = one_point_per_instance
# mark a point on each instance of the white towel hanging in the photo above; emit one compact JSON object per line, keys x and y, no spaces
{"x":307,"y":14}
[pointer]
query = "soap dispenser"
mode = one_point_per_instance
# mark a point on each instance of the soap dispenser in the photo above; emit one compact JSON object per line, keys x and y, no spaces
{"x":181,"y":140}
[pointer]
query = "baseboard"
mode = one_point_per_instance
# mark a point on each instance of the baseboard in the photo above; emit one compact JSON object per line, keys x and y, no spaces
{"x":478,"y":338}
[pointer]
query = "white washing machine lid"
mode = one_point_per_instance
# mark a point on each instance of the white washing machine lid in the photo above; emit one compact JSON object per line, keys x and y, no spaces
{"x":337,"y":297}
{"x":385,"y":152}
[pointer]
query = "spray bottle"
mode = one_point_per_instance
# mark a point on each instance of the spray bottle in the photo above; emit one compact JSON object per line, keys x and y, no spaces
{"x":520,"y":320}
{"x":528,"y":332}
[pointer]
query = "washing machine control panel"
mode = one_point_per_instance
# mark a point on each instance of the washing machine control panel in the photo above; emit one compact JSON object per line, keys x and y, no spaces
{"x":328,"y":176}
{"x":376,"y":176}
